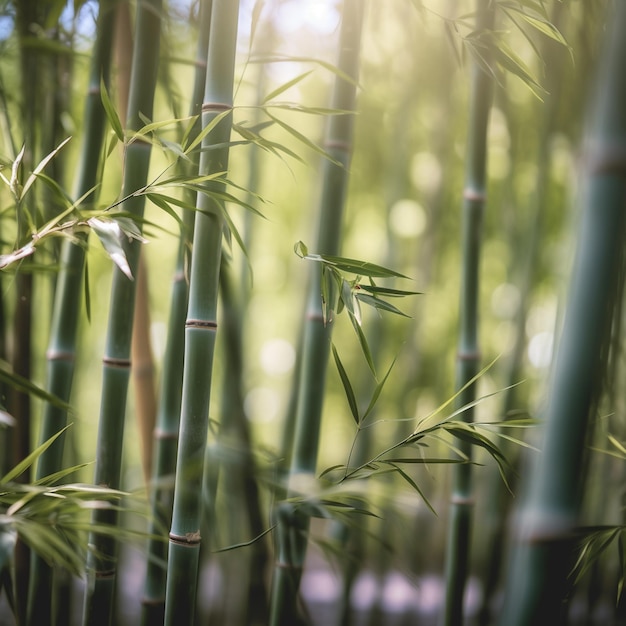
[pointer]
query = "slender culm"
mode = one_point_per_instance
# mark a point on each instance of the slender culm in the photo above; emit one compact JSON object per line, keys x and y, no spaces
{"x":168,"y":414}
{"x":201,"y":324}
{"x":63,"y":335}
{"x":292,"y":524}
{"x":543,"y":556}
{"x":116,"y":361}
{"x":468,"y":356}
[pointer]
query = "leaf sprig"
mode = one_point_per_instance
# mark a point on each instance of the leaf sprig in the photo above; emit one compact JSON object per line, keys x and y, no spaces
{"x":339,"y":293}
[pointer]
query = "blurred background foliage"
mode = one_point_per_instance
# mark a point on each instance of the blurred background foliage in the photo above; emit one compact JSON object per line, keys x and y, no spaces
{"x":403,"y":208}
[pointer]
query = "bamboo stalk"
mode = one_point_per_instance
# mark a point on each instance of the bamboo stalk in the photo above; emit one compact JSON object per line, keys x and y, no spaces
{"x":63,"y":335}
{"x":528,"y":245}
{"x":542,"y":557}
{"x":141,"y":348}
{"x":116,"y":361}
{"x":201,"y":324}
{"x":293,"y":524}
{"x":468,"y":358}
{"x":168,"y":414}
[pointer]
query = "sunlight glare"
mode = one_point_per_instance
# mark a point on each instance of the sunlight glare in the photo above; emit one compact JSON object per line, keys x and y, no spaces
{"x":319,"y":16}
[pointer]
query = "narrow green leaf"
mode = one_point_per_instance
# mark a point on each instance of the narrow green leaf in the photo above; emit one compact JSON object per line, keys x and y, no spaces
{"x":304,"y":139}
{"x":23,"y":384}
{"x":382,"y":305}
{"x":352,"y":403}
{"x":111,"y":113}
{"x":110,"y":235}
{"x":365,"y":348}
{"x":377,"y":391}
{"x":385,"y":291}
{"x":413,"y":484}
{"x":282,"y":88}
{"x":25,"y":463}
{"x":206,"y":130}
{"x":355,"y":266}
{"x":87,"y":291}
{"x":41,"y":165}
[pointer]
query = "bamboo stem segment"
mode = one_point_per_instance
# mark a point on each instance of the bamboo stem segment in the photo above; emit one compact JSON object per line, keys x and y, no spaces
{"x":293,"y":524}
{"x":542,"y":558}
{"x":468,"y":356}
{"x":201,"y":326}
{"x":116,"y":362}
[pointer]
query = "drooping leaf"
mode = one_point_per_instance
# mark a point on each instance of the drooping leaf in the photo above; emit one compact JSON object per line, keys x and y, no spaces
{"x":382,"y":305}
{"x":347,"y":386}
{"x":40,"y":167}
{"x":110,"y":235}
{"x":8,"y":377}
{"x":284,"y":87}
{"x":377,"y":391}
{"x":111,"y":113}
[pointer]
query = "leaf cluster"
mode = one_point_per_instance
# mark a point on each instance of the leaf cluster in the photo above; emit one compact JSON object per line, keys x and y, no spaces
{"x":339,"y":293}
{"x":53,"y":519}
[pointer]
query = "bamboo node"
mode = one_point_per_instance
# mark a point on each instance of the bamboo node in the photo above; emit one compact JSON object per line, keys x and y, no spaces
{"x":605,"y":159}
{"x":162,"y":434}
{"x":113,"y":362}
{"x":200,"y":324}
{"x":60,"y":355}
{"x":107,"y":573}
{"x":474,"y":195}
{"x":188,"y":539}
{"x":474,"y":355}
{"x":289,"y":566}
{"x":337,"y":145}
{"x":210,"y":107}
{"x":463,"y":500}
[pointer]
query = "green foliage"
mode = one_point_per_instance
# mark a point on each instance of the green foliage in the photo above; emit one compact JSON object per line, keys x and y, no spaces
{"x":53,"y":519}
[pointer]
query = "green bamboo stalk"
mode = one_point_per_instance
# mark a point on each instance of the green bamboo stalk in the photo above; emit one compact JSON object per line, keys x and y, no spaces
{"x":468,"y":359}
{"x":542,"y":557}
{"x":29,"y":14}
{"x":528,"y":246}
{"x":62,"y":346}
{"x":61,"y":350}
{"x":116,"y":361}
{"x":293,"y":524}
{"x":168,"y":414}
{"x":237,"y":479}
{"x":201,"y":324}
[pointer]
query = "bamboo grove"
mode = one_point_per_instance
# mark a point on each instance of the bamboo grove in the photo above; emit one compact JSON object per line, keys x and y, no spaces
{"x":280,"y":286}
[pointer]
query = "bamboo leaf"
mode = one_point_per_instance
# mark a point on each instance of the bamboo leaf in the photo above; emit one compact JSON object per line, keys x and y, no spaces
{"x":110,"y":235}
{"x":346,"y":386}
{"x":304,"y":139}
{"x":414,"y":485}
{"x":20,"y":383}
{"x":42,"y":164}
{"x":365,"y":348}
{"x":362,"y":268}
{"x":206,"y":130}
{"x":111,"y":113}
{"x":538,"y":22}
{"x":385,"y":291}
{"x":25,"y":463}
{"x":379,"y":304}
{"x":377,"y":391}
{"x":87,"y":291}
{"x":282,"y":88}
